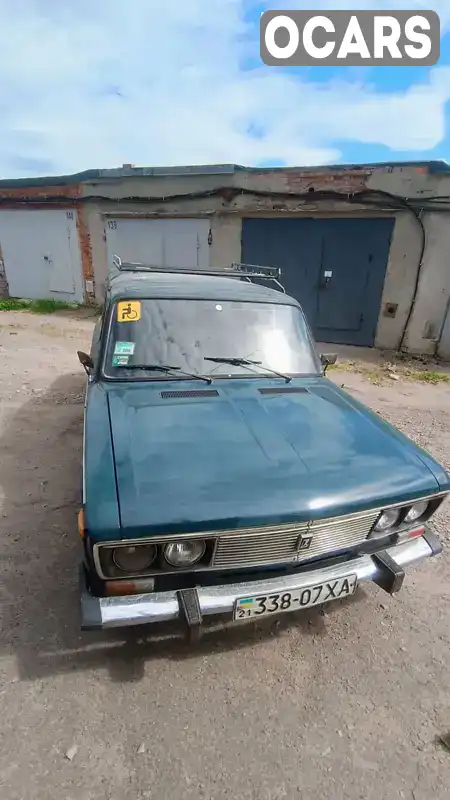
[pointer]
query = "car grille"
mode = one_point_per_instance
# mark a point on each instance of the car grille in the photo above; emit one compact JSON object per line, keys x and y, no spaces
{"x":282,"y":543}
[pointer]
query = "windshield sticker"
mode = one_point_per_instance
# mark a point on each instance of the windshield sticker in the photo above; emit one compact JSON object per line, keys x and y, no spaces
{"x":124,"y":348}
{"x":120,"y":361}
{"x":129,"y":311}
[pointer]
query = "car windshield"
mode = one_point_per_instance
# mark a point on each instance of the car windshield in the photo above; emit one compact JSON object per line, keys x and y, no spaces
{"x":194,"y":336}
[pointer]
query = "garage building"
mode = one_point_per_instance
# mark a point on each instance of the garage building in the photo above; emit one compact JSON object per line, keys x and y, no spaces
{"x":363,"y":247}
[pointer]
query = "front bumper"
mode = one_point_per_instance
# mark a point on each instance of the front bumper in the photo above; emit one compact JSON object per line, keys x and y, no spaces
{"x":385,"y":569}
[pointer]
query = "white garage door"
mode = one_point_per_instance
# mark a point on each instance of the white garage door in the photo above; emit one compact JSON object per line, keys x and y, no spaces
{"x":41,"y":254}
{"x":163,"y":242}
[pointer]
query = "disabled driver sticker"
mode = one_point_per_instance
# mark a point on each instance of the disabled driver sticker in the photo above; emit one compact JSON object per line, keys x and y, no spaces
{"x":129,"y":311}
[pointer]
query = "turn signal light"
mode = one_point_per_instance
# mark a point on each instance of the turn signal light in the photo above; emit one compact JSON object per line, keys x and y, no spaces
{"x":81,"y":528}
{"x":118,"y":588}
{"x":415,"y":533}
{"x":405,"y":536}
{"x":139,"y":586}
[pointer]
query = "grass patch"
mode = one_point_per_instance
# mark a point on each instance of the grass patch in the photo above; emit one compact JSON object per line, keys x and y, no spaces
{"x":343,"y":366}
{"x":35,"y":306}
{"x":49,"y":306}
{"x":374,"y":377}
{"x":10,"y":304}
{"x":428,"y":377}
{"x":386,"y":373}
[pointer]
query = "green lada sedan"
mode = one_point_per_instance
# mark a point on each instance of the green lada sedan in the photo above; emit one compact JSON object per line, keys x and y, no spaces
{"x":223,"y":473}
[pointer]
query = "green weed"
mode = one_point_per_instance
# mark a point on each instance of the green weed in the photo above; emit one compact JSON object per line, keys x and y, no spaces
{"x":428,"y":377}
{"x":35,"y":306}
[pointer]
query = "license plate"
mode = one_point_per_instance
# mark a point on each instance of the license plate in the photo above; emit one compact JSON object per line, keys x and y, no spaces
{"x":316,"y":594}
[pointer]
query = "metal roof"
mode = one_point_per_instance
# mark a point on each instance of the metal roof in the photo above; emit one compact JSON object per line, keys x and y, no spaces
{"x":160,"y":285}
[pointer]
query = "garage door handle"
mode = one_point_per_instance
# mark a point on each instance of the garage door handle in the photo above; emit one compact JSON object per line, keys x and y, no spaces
{"x":326,"y":278}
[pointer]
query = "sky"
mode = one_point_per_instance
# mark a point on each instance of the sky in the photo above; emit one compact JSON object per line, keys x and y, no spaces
{"x":98,"y":83}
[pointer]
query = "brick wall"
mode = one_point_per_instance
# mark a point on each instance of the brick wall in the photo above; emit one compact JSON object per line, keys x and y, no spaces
{"x":12,"y":197}
{"x":344,"y":181}
{"x":86,"y":253}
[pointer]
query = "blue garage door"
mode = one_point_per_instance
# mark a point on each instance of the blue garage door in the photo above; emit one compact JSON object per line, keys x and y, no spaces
{"x":335,"y":268}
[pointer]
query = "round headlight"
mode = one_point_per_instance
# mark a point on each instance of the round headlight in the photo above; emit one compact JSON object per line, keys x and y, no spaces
{"x":185,"y":553}
{"x":416,"y":511}
{"x":387,"y":520}
{"x":134,"y":558}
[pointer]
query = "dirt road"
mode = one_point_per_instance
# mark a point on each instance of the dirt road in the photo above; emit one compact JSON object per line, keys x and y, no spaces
{"x":344,"y":704}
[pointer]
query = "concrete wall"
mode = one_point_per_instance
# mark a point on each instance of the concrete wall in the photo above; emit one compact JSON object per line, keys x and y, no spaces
{"x":427,"y":320}
{"x":226,"y":239}
{"x":399,"y":281}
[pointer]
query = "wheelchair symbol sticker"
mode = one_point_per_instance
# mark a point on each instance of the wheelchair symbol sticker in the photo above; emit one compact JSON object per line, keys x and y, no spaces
{"x":129,"y":311}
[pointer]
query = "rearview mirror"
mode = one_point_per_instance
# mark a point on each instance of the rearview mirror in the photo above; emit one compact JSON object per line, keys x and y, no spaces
{"x":85,"y":360}
{"x":328,"y":360}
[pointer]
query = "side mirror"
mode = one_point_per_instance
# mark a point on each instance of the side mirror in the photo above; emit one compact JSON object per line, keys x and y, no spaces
{"x":328,"y":360}
{"x":85,"y":360}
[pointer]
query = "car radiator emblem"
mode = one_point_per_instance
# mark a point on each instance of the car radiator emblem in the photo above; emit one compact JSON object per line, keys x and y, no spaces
{"x":304,"y":543}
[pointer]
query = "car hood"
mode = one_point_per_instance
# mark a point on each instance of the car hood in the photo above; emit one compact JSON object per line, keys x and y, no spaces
{"x":232,"y":455}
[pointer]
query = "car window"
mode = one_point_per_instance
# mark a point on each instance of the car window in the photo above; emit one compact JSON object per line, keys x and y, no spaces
{"x":184,"y":333}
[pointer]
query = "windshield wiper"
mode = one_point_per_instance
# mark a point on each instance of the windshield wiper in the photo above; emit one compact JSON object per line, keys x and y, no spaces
{"x":247,"y":362}
{"x":167,"y":369}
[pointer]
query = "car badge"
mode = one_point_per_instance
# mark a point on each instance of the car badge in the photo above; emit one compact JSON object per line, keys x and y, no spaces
{"x":304,"y":542}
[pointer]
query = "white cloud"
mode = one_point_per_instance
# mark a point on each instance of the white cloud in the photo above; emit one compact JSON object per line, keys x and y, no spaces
{"x":98,"y":83}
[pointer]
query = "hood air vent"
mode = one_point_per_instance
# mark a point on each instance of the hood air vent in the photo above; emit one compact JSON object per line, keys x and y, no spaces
{"x":192,"y":393}
{"x":284,"y":390}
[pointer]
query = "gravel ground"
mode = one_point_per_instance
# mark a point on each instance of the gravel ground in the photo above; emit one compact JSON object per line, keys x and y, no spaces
{"x":346,"y":702}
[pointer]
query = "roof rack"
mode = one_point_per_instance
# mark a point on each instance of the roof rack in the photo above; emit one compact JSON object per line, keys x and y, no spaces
{"x":235,"y":270}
